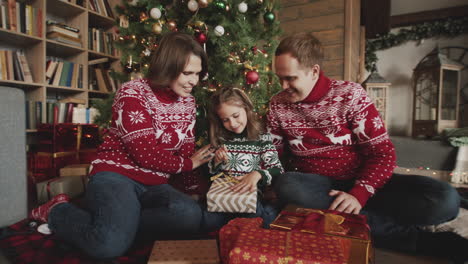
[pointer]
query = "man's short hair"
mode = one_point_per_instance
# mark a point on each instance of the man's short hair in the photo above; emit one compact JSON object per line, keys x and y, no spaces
{"x":303,"y":46}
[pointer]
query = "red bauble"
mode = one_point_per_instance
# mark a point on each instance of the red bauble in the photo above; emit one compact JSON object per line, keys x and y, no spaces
{"x":201,"y":38}
{"x":252,"y":77}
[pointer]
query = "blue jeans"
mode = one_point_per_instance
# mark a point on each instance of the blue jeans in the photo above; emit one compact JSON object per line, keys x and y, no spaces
{"x":395,"y":213}
{"x":114,"y":214}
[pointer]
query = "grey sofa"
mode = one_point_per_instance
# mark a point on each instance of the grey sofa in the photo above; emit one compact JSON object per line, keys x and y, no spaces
{"x":13,"y":184}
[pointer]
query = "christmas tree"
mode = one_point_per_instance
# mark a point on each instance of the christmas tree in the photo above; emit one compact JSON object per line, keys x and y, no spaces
{"x":239,"y":36}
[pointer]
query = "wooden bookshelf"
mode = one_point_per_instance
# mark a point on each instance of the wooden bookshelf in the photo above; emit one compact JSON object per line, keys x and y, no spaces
{"x":38,"y":49}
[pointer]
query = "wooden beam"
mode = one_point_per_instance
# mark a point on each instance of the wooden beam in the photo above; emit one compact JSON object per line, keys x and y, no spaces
{"x":375,"y":17}
{"x":424,"y":16}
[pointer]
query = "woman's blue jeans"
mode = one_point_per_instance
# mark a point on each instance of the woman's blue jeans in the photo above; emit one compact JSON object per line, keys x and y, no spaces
{"x":118,"y":208}
{"x":395,"y":213}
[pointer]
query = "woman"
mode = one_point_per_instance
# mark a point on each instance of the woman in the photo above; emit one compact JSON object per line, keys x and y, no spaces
{"x":151,"y":139}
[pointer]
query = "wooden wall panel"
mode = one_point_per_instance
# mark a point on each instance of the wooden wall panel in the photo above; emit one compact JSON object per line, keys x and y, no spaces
{"x":336,"y":23}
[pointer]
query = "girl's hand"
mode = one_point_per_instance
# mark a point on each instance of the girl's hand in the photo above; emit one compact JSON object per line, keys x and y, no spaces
{"x":248,"y":182}
{"x":220,"y":155}
{"x":202,"y":156}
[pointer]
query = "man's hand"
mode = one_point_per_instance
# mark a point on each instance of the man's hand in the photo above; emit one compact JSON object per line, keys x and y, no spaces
{"x":248,"y":182}
{"x":344,"y":202}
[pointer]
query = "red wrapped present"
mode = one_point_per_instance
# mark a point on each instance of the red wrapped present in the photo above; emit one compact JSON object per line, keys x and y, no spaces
{"x":59,"y":145}
{"x":244,"y":241}
{"x":326,"y":222}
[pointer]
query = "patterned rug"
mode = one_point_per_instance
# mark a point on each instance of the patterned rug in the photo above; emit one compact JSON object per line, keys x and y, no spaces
{"x":22,"y":244}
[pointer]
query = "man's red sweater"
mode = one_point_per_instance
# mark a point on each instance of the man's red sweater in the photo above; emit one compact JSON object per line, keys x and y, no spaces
{"x":151,"y":136}
{"x":336,"y":132}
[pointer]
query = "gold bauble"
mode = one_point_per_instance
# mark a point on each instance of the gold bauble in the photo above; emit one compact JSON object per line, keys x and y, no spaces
{"x":157,"y":28}
{"x":172,"y":25}
{"x":200,"y":24}
{"x":143,"y":16}
{"x":203,"y":3}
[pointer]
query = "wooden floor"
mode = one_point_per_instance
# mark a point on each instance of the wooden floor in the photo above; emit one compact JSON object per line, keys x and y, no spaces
{"x":389,"y":257}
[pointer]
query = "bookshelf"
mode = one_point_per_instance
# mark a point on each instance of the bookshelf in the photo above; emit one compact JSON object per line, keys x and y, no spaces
{"x":38,"y":49}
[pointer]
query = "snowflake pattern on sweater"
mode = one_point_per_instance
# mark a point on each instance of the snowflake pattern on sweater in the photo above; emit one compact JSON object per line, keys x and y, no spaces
{"x":250,"y":155}
{"x":336,"y":132}
{"x":151,"y":136}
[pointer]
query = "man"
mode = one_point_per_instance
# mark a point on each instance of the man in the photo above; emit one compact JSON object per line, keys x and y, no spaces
{"x":339,"y":157}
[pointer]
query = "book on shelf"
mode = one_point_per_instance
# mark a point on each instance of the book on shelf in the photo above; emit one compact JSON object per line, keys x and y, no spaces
{"x":4,"y":15}
{"x":58,"y":74}
{"x":27,"y":75}
{"x":64,"y":39}
{"x":62,"y":25}
{"x":12,"y":14}
{"x":55,"y":28}
{"x":97,"y":61}
{"x":33,"y":110}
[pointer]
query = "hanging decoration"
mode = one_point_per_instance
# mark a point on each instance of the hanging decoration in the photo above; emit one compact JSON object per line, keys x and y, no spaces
{"x":219,"y":30}
{"x":155,"y":13}
{"x":252,"y":77}
{"x":450,"y":28}
{"x":242,"y":7}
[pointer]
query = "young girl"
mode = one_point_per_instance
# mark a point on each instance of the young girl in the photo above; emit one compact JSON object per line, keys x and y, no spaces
{"x":243,"y":150}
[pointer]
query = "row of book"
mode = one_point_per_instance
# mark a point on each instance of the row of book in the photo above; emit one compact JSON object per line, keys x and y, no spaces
{"x":102,"y":7}
{"x":75,"y":2}
{"x":64,"y":73}
{"x":61,"y":112}
{"x":63,"y":33}
{"x":58,"y":112}
{"x":102,"y":41}
{"x":21,"y":17}
{"x":14,"y":66}
{"x":100,"y":80}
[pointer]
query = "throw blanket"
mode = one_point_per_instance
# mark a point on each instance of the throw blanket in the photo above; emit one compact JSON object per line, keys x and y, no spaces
{"x":460,"y":173}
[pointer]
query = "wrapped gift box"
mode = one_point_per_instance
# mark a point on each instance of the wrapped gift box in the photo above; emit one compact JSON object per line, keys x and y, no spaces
{"x":329,"y":223}
{"x":220,"y":198}
{"x":184,"y":252}
{"x":73,"y":186}
{"x":75,"y":170}
{"x":254,"y":244}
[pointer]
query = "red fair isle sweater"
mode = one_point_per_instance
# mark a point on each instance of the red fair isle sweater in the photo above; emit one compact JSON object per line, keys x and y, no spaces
{"x":336,"y":132}
{"x":151,"y":136}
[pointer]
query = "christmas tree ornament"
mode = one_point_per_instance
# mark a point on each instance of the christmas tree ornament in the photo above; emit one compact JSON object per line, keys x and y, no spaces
{"x":192,"y":5}
{"x":220,"y":5}
{"x":242,"y":7}
{"x":200,"y":24}
{"x":228,"y":8}
{"x":269,"y":17}
{"x":252,"y":77}
{"x":156,"y":28}
{"x":201,"y":37}
{"x":203,"y":3}
{"x":219,"y":30}
{"x":172,"y":25}
{"x":147,"y":52}
{"x":155,"y":13}
{"x":133,"y":2}
{"x":123,"y":21}
{"x":143,"y":16}
{"x":128,"y":68}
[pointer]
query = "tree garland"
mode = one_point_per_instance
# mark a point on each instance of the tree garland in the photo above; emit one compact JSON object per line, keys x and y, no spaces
{"x":450,"y":28}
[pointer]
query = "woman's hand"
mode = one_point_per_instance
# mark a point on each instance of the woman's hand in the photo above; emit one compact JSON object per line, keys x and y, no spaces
{"x":202,"y":156}
{"x":221,"y":155}
{"x":248,"y":182}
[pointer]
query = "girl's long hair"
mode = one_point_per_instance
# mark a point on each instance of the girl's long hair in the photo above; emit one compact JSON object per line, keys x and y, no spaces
{"x":233,"y":96}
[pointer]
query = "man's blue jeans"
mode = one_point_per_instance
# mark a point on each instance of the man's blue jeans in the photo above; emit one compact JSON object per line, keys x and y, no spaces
{"x":118,"y":208}
{"x":395,"y":213}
